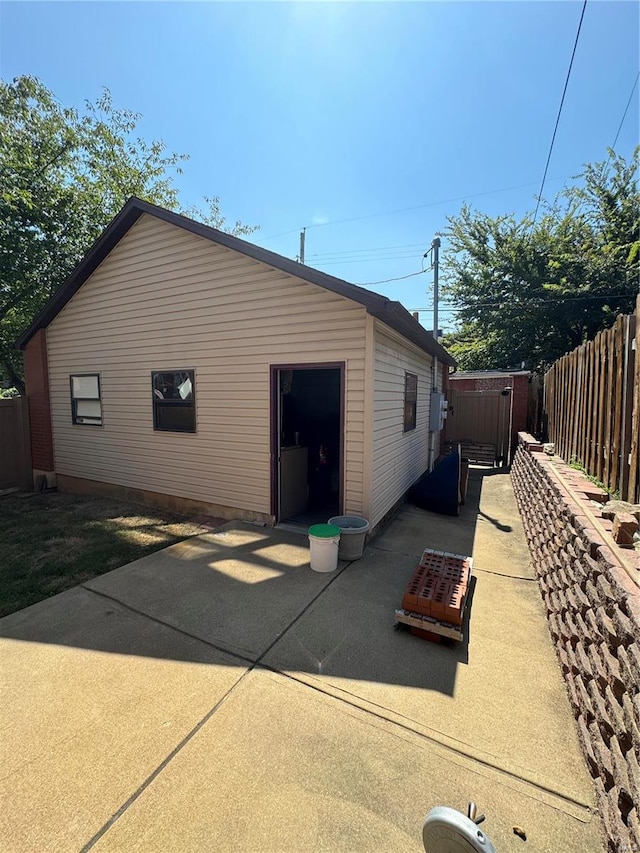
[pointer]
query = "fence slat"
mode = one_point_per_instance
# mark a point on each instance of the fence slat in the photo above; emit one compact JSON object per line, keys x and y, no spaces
{"x":633,"y":491}
{"x":572,"y":403}
{"x":593,"y":408}
{"x":609,"y":409}
{"x":617,"y":400}
{"x":585,"y":405}
{"x":602,"y":378}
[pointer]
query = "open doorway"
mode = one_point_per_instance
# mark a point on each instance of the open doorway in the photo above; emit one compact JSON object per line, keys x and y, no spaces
{"x":307,"y":442}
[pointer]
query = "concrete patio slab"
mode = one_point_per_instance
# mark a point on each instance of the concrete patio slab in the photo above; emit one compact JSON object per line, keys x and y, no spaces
{"x":132,"y":726}
{"x":94,"y":699}
{"x":238,"y":588}
{"x":281,"y":767}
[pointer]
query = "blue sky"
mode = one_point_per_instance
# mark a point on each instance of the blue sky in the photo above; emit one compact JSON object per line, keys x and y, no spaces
{"x":308,"y":114}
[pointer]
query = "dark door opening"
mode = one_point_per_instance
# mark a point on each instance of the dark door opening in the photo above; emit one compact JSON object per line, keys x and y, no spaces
{"x":307,"y":441}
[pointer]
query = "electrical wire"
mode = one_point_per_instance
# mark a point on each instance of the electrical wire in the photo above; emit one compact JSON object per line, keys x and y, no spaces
{"x":365,"y":260}
{"x":624,"y":114}
{"x":371,"y":249}
{"x":448,"y":306}
{"x":555,"y":130}
{"x":386,"y":280}
{"x":406,"y":209}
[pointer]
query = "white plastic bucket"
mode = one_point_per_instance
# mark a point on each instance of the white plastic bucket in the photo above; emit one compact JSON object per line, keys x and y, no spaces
{"x":324,"y":548}
{"x":353,"y":532}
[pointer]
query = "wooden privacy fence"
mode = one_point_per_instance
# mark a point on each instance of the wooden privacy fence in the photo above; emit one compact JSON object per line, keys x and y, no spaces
{"x":592,"y":405}
{"x":15,"y":445}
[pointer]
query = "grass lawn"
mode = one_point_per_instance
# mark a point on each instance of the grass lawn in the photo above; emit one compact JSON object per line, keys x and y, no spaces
{"x":51,"y":542}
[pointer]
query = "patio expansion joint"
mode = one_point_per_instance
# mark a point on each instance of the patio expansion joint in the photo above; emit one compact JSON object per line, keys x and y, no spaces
{"x":502,"y":575}
{"x":163,"y":764}
{"x":222,"y":649}
{"x":380,"y":715}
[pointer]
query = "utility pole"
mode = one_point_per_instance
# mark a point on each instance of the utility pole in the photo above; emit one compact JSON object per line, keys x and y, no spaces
{"x":434,"y":435}
{"x":302,"y":234}
{"x":435,"y":245}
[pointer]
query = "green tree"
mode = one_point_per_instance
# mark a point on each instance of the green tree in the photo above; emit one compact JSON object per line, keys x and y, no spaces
{"x":527,"y":292}
{"x":64,"y":174}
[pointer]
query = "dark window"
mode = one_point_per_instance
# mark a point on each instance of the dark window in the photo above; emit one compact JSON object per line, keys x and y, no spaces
{"x":86,"y":405}
{"x":410,"y":401}
{"x":174,"y":400}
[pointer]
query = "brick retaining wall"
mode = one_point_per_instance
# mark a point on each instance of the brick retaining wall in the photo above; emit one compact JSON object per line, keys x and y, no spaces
{"x":593,"y":608}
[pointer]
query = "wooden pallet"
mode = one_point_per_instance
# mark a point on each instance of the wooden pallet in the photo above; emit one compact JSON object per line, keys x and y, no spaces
{"x":427,"y":623}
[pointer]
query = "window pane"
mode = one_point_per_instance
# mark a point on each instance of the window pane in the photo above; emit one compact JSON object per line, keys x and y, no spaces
{"x":173,"y":386}
{"x":85,"y":386}
{"x":411,"y":387}
{"x":409,"y":416}
{"x":175,"y":417}
{"x":88,"y":409}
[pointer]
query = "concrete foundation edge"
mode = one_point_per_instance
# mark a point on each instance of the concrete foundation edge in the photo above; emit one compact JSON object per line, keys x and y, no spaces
{"x":174,"y":503}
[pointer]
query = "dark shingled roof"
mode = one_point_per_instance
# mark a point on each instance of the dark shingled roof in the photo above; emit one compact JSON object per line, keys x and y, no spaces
{"x":390,"y":312}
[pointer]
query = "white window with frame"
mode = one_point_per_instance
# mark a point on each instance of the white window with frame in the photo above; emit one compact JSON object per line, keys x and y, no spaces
{"x":86,"y":403}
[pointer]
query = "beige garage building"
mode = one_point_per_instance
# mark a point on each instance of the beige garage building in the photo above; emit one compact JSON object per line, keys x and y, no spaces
{"x":182,"y":366}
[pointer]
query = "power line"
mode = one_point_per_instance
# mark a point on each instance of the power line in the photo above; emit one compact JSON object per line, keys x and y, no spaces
{"x":405,"y":209}
{"x":366,"y":260}
{"x":624,"y":114}
{"x":371,"y":249}
{"x":533,"y":304}
{"x":555,"y":130}
{"x":386,"y":280}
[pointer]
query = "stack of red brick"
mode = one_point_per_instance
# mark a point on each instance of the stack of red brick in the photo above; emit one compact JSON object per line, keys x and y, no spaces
{"x":438,"y":587}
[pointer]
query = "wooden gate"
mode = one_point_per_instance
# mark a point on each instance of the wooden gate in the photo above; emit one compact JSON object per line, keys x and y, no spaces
{"x":480,"y":422}
{"x":15,"y":445}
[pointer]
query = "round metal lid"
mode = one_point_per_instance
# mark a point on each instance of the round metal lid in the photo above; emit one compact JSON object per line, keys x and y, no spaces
{"x":446,"y":830}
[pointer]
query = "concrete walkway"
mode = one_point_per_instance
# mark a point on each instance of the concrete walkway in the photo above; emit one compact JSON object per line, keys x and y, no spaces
{"x":221,"y":696}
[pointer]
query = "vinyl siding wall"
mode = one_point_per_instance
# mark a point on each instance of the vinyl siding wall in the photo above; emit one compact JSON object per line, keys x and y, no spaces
{"x":399,"y":457}
{"x":165,"y":299}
